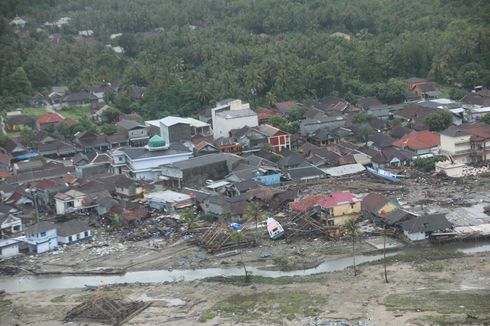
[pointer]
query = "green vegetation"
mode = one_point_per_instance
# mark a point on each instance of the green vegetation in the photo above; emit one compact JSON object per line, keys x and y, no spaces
{"x":188,"y":217}
{"x":266,"y":306}
{"x":33,"y":112}
{"x":486,"y":118}
{"x":439,"y":120}
{"x":3,"y":139}
{"x":269,"y":50}
{"x":428,"y":164}
{"x":474,"y":303}
{"x":108,"y":129}
{"x":76,"y":113}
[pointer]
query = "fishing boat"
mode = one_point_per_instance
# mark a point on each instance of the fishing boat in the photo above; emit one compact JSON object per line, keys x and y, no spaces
{"x":274,"y":228}
{"x":384,"y":174}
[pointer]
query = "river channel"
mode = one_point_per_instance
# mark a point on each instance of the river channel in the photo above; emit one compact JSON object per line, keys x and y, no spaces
{"x":37,"y":283}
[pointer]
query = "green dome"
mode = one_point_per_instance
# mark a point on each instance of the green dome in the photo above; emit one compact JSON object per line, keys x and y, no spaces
{"x":156,"y":141}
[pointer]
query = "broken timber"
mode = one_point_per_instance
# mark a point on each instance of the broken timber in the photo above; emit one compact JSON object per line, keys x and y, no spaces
{"x":219,"y":237}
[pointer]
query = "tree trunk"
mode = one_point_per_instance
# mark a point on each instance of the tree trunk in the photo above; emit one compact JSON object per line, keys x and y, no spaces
{"x":384,"y":253}
{"x":256,"y":230}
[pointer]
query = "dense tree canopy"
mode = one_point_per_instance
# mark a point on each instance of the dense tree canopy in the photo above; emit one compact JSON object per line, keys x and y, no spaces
{"x":440,"y":120}
{"x":189,"y":54}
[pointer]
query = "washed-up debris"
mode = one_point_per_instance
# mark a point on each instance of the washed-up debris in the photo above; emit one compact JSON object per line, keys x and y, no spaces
{"x":306,"y":226}
{"x":265,"y":254}
{"x":103,"y":309}
{"x":218,"y":237}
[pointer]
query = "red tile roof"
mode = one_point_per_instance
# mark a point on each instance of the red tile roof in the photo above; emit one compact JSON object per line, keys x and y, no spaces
{"x":4,"y":173}
{"x":307,"y":202}
{"x":49,"y":118}
{"x":46,"y":184}
{"x":419,"y":140}
{"x":337,"y":198}
{"x":265,"y":114}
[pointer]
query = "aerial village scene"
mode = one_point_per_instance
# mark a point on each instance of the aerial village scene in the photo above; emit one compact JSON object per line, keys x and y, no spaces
{"x":124,"y":202}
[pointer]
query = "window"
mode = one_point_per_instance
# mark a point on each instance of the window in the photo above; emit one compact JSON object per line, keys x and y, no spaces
{"x":42,"y":234}
{"x":86,"y":234}
{"x":70,"y":239}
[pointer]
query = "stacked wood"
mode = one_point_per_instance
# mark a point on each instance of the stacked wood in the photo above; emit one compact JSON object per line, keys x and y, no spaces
{"x":218,"y":237}
{"x":102,"y":309}
{"x":305,"y":226}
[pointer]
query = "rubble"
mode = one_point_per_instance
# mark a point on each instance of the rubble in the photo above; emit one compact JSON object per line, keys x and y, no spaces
{"x":103,"y":309}
{"x":218,"y":237}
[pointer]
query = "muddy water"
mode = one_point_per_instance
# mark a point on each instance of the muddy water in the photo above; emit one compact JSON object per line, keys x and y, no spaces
{"x":36,"y":283}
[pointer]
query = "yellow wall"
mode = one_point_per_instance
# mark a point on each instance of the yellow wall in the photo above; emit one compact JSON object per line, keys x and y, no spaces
{"x":345,"y":209}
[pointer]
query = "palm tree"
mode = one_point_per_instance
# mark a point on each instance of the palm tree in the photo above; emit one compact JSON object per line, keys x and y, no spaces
{"x":351,"y":229}
{"x":384,"y":253}
{"x":253,"y":212}
{"x":238,"y":237}
{"x":188,"y":217}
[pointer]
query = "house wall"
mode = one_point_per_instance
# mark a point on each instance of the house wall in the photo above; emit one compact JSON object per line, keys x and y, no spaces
{"x":222,"y":127}
{"x":38,"y":236}
{"x":456,"y":146}
{"x":46,"y":246}
{"x":175,"y":133}
{"x":279,"y":142}
{"x":137,"y":133}
{"x":346,"y":209}
{"x":9,"y":251}
{"x":415,"y":236}
{"x":155,"y":162}
{"x":216,"y":208}
{"x":74,"y":237}
{"x":199,"y":174}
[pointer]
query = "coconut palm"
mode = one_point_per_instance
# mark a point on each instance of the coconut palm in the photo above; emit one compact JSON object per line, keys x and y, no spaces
{"x":352,"y":230}
{"x":254,"y":212}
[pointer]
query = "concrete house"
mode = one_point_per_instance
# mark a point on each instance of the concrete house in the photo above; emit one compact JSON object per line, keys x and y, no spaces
{"x":277,"y":138}
{"x":127,"y":188}
{"x":136,"y":132}
{"x":83,"y":98}
{"x":423,"y":227}
{"x":48,"y":120}
{"x":41,"y":237}
{"x":419,"y":142}
{"x":145,"y":162}
{"x":73,"y":231}
{"x":70,"y":201}
{"x":232,"y":114}
{"x":177,"y":129}
{"x":340,"y":206}
{"x":19,"y":123}
{"x":9,"y":248}
{"x":309,"y":127}
{"x":468,"y":143}
{"x":9,"y":224}
{"x":169,"y":201}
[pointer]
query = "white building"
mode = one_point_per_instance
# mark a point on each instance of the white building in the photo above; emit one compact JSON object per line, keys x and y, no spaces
{"x":145,"y":162}
{"x":69,"y":201}
{"x":169,"y":201}
{"x":176,"y":129}
{"x":18,"y":22}
{"x":9,"y":224}
{"x":232,"y":114}
{"x":469,"y":143}
{"x":73,"y":231}
{"x":9,"y":248}
{"x":41,"y":237}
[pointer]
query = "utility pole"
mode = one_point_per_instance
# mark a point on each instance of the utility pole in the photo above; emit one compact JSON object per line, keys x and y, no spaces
{"x":384,"y":252}
{"x":34,"y":197}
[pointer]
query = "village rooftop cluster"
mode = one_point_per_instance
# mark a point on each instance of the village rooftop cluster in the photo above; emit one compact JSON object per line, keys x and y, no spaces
{"x":57,"y":191}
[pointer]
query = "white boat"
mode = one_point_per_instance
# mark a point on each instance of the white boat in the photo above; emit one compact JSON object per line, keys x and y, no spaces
{"x":274,"y":228}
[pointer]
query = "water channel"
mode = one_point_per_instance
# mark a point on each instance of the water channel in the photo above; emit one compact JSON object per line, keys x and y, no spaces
{"x":37,"y":283}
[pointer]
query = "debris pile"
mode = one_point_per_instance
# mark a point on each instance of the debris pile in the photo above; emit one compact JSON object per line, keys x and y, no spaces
{"x":103,"y":309}
{"x":164,"y":227}
{"x":218,"y":237}
{"x":306,"y":226}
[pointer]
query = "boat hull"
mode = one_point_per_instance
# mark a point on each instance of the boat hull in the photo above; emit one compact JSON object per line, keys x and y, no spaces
{"x":385,"y":175}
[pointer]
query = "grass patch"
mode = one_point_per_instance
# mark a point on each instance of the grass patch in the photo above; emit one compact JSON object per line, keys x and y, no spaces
{"x":474,"y":303}
{"x":430,"y":267}
{"x":58,"y":299}
{"x":5,"y":305}
{"x":76,"y":112}
{"x":269,"y":306}
{"x":419,"y":256}
{"x":33,"y":112}
{"x":283,"y":280}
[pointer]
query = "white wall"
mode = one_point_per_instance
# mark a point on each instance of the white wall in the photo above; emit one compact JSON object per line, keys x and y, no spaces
{"x":74,"y":238}
{"x":9,"y":251}
{"x":47,"y":246}
{"x":415,"y":236}
{"x":222,"y":127}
